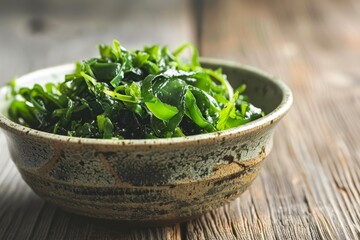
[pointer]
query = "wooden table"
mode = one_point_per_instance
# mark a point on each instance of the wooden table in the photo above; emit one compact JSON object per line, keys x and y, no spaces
{"x":309,"y":186}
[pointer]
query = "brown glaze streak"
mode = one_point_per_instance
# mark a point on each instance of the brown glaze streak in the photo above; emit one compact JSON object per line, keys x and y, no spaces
{"x":226,"y":183}
{"x":51,"y":164}
{"x":110,"y":169}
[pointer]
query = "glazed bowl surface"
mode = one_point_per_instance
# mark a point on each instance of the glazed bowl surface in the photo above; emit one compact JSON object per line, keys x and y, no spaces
{"x":156,"y":181}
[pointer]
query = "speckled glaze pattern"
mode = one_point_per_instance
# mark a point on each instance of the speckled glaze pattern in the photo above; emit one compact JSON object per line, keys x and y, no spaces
{"x":163,"y":180}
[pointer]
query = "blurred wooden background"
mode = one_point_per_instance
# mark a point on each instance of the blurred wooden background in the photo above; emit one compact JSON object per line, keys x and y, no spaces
{"x":308,"y":187}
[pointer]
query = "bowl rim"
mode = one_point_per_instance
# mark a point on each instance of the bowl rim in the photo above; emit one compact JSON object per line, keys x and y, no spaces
{"x":269,"y":119}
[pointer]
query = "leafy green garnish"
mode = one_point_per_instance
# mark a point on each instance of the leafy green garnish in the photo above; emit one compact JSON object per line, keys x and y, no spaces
{"x":137,"y":94}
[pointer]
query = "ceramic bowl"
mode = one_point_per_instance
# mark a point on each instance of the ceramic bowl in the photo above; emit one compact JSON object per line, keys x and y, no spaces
{"x":162,"y":180}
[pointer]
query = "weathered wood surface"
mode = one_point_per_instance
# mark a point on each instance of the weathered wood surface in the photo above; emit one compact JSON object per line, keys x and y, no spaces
{"x":308,"y":187}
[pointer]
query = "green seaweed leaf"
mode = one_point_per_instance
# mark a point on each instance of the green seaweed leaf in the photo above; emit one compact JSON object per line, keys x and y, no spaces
{"x":144,"y":93}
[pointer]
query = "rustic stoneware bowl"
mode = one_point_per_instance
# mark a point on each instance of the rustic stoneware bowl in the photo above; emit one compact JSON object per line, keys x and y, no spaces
{"x":157,"y":181}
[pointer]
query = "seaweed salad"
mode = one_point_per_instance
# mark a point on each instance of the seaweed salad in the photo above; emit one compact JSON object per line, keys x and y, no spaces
{"x":139,"y":94}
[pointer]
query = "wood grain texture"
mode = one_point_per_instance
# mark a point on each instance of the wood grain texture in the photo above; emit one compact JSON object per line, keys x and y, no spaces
{"x":308,"y":187}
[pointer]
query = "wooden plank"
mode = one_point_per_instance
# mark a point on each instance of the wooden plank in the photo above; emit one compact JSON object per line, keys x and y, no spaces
{"x":309,"y":186}
{"x":46,"y":33}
